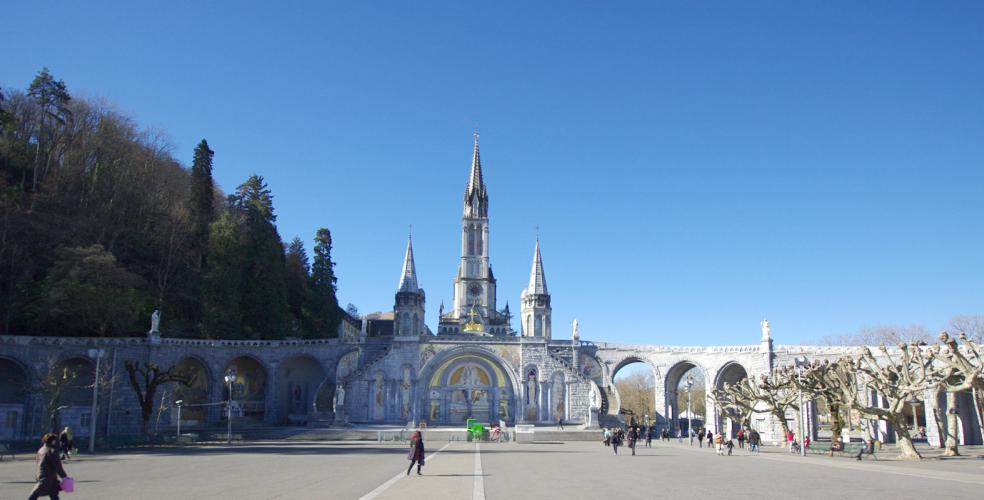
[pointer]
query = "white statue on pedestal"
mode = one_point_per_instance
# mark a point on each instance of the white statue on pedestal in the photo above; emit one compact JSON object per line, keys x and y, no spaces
{"x":155,"y":322}
{"x":339,"y":398}
{"x":766,"y":331}
{"x":576,"y":334}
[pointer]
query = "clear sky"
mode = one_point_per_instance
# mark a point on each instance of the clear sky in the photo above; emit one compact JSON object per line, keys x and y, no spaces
{"x":693,"y":166}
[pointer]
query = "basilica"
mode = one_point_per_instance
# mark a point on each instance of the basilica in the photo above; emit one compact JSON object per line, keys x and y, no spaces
{"x":392,"y":369}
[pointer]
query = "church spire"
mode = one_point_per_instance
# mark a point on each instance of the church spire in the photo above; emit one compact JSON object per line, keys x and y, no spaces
{"x":538,"y":281}
{"x":408,"y":279}
{"x":476,"y":198}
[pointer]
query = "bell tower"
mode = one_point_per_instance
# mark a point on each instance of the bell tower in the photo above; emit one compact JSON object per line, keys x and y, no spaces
{"x":535,"y":314}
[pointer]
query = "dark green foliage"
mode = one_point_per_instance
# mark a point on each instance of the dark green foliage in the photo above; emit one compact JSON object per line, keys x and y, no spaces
{"x":298,"y":294}
{"x":87,"y":291}
{"x":264,"y":304}
{"x":202,"y":198}
{"x":222,"y":284}
{"x":325,"y":313}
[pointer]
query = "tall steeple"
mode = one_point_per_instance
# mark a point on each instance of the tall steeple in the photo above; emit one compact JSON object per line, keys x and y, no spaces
{"x":476,"y":197}
{"x":408,"y":310}
{"x":408,"y":279}
{"x":474,"y":284}
{"x":535,"y":299}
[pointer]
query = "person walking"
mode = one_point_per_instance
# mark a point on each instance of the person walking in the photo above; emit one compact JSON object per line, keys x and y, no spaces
{"x":741,"y":439}
{"x":718,"y":443}
{"x":416,"y":455}
{"x":790,"y":439}
{"x":616,"y":439}
{"x":649,"y":437}
{"x":753,"y":441}
{"x":633,"y":438}
{"x":700,"y":438}
{"x":679,"y":436}
{"x":49,"y":469}
{"x":65,"y":440}
{"x":608,"y":437}
{"x":560,"y":423}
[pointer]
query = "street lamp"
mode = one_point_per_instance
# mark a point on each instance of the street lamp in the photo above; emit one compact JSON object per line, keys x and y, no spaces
{"x":229,"y":378}
{"x":690,"y":385}
{"x":98,"y":354}
{"x":800,"y":365}
{"x":179,"y":403}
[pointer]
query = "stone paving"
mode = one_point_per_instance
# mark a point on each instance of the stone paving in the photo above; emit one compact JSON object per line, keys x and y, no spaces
{"x":461,"y":470}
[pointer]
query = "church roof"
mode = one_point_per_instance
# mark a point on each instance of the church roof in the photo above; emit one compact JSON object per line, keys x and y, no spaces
{"x":408,"y":278}
{"x":538,"y":280}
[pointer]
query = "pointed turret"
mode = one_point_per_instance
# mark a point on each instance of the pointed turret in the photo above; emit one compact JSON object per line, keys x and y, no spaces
{"x":408,"y":311}
{"x":408,"y":279}
{"x":538,"y":281}
{"x":536,"y":301}
{"x":476,"y":197}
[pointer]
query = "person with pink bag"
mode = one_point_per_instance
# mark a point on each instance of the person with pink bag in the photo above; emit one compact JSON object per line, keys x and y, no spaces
{"x":49,"y":470}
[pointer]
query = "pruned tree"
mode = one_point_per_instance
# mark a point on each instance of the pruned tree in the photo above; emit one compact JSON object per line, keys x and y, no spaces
{"x":814,"y":385}
{"x":954,"y":371}
{"x":773,"y":393}
{"x":146,"y":379}
{"x":897,"y":376}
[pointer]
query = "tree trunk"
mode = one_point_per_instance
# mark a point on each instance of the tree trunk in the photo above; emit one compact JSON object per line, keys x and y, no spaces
{"x":951,"y":448}
{"x":836,"y":422}
{"x":940,"y":429}
{"x":907,"y":450}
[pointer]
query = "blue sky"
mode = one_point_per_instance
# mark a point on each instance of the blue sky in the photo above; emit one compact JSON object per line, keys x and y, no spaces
{"x":693,"y":166}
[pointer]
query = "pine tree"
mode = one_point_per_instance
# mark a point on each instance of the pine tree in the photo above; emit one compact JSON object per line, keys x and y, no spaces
{"x":222,"y":285}
{"x":201,"y":199}
{"x":298,"y":294}
{"x":325,"y":313}
{"x":264,"y":303}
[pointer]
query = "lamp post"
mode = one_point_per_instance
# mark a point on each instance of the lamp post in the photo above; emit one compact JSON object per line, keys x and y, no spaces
{"x":800,"y":365}
{"x":98,"y":354}
{"x":229,"y":378}
{"x":179,"y":403}
{"x":690,"y":432}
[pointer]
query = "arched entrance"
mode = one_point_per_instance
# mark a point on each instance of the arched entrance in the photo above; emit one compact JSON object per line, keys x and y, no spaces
{"x":248,"y":388}
{"x":727,"y":420}
{"x":194,"y":398}
{"x":634,"y":391}
{"x":468,"y":385}
{"x":299,"y":379}
{"x":678,"y":396}
{"x":13,"y":399}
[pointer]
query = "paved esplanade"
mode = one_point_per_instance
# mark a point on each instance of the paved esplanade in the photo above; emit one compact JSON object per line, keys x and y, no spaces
{"x":463,"y":470}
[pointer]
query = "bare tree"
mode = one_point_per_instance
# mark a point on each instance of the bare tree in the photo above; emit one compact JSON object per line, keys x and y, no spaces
{"x":773,"y":393}
{"x":637,"y":393}
{"x":897,"y":376}
{"x":881,"y":334}
{"x":956,"y":370}
{"x":146,"y":378}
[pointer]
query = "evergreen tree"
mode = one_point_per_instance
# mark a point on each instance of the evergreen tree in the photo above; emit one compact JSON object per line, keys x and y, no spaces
{"x":51,"y":97}
{"x":201,"y":199}
{"x":325,"y":313}
{"x":264,"y":299}
{"x":298,"y":294}
{"x":222,"y":285}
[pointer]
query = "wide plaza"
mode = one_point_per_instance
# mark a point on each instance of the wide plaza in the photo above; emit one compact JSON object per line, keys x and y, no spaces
{"x":463,"y":470}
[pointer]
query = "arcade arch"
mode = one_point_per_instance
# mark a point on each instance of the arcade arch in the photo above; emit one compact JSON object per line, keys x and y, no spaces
{"x":729,"y":374}
{"x":248,"y":387}
{"x":677,"y":394}
{"x":299,"y":379}
{"x":13,"y":398}
{"x":194,"y":397}
{"x":633,"y":389}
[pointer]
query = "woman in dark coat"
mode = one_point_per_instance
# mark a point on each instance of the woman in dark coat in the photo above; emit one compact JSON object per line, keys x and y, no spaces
{"x":66,"y":443}
{"x":416,"y":455}
{"x":49,"y":469}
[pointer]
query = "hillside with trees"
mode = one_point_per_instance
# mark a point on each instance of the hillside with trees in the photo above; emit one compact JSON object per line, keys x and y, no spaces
{"x":100,"y":225}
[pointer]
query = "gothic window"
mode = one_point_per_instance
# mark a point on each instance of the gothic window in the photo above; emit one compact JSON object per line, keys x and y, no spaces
{"x":479,"y":249}
{"x":471,"y":240}
{"x":539,"y":325}
{"x":416,"y":324}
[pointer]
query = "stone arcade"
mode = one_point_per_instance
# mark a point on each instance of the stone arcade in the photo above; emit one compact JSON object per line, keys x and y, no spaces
{"x":393,"y":370}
